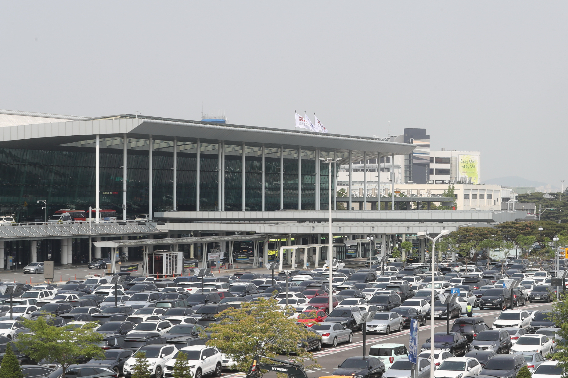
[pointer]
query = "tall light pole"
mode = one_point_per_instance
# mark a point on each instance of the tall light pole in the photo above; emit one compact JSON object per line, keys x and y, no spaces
{"x":330,"y":237}
{"x":45,"y":208}
{"x":434,"y":240}
{"x":562,"y":190}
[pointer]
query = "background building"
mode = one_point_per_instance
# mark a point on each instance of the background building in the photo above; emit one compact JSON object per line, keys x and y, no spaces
{"x":455,"y":167}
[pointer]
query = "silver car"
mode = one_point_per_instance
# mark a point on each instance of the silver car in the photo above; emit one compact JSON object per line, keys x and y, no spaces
{"x":333,"y":333}
{"x":533,"y":360}
{"x":385,"y":322}
{"x":34,"y":268}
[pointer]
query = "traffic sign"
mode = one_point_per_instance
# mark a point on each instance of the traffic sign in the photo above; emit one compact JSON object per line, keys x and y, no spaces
{"x":455,"y":290}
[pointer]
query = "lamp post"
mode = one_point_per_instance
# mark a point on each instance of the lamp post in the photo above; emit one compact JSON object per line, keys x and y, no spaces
{"x":45,"y":209}
{"x":423,"y":235}
{"x":330,"y":237}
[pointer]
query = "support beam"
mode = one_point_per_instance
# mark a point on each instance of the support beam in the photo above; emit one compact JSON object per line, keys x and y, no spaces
{"x":392,"y":180}
{"x":33,"y":250}
{"x":2,"y":266}
{"x":174,"y":207}
{"x":281,"y":178}
{"x":124,"y":174}
{"x":318,"y":180}
{"x":97,"y":249}
{"x":63,"y":254}
{"x":350,"y":179}
{"x":299,"y":178}
{"x":334,"y":193}
{"x":243,"y":178}
{"x":379,"y":181}
{"x":198,"y":177}
{"x":263,"y":178}
{"x":150,"y":176}
{"x":364,"y":180}
{"x":97,"y":178}
{"x":219,"y":176}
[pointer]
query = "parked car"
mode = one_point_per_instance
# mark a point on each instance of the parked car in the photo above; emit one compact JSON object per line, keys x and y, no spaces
{"x":498,"y":341}
{"x":403,"y":368}
{"x":455,"y":342}
{"x":505,"y":366}
{"x":389,"y":353}
{"x":458,"y":367}
{"x":385,"y":322}
{"x":481,"y":355}
{"x":34,"y":268}
{"x":534,"y":343}
{"x":548,"y":369}
{"x":157,"y":356}
{"x":361,"y":367}
{"x":512,"y":318}
{"x":533,"y":360}
{"x":113,"y":359}
{"x":203,"y":360}
{"x":333,"y":333}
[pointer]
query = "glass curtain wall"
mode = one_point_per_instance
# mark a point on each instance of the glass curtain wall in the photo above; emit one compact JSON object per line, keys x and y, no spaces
{"x":272,"y":179}
{"x":290,"y":179}
{"x":308,"y":180}
{"x":253,"y":167}
{"x":233,"y":177}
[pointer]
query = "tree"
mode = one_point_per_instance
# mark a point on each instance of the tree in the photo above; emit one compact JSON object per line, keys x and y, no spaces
{"x":259,"y":327}
{"x":406,"y":246}
{"x":10,"y":367}
{"x":141,"y":367}
{"x":559,"y":315}
{"x":181,"y":367}
{"x":450,"y":192}
{"x":524,"y":372}
{"x":63,"y":345}
{"x":341,"y":193}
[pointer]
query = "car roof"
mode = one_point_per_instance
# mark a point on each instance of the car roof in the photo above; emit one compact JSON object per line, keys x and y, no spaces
{"x":387,"y":345}
{"x":194,"y":347}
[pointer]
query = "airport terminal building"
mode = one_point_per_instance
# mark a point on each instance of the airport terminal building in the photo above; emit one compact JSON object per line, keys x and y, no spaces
{"x":196,"y":178}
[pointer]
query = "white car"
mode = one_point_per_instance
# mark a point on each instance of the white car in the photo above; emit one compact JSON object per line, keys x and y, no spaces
{"x":201,"y":359}
{"x":350,"y":302}
{"x":533,"y":343}
{"x":8,"y":328}
{"x":548,"y":369}
{"x":23,"y":311}
{"x":439,"y":356}
{"x":157,"y":356}
{"x":458,"y":367}
{"x":512,"y":318}
{"x":161,"y":327}
{"x":464,"y":299}
{"x":420,"y":305}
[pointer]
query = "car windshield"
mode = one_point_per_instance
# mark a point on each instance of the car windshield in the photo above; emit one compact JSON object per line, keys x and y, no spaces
{"x":381,"y":352}
{"x":512,"y":331}
{"x":30,"y":294}
{"x":528,"y":340}
{"x":500,"y":364}
{"x":139,"y":297}
{"x":379,"y":299}
{"x":380,"y":316}
{"x":541,"y":316}
{"x":402,"y":365}
{"x":145,"y":311}
{"x":181,"y":330}
{"x":529,"y":357}
{"x":192,"y":355}
{"x":6,"y":325}
{"x":319,"y":300}
{"x":340,"y":313}
{"x":110,"y":326}
{"x":404,"y":311}
{"x":175,"y":312}
{"x":349,"y":302}
{"x":549,"y":370}
{"x":488,"y":336}
{"x":510,"y":316}
{"x":411,"y":303}
{"x":321,"y":327}
{"x":237,"y":288}
{"x":493,"y":293}
{"x":355,"y":363}
{"x":19,"y":309}
{"x":150,"y":352}
{"x":207,"y":310}
{"x":452,"y":365}
{"x":49,"y":307}
{"x":443,"y":338}
{"x":540,"y":289}
{"x":112,"y":354}
{"x":146,"y":327}
{"x":308,"y":315}
{"x":91,"y":281}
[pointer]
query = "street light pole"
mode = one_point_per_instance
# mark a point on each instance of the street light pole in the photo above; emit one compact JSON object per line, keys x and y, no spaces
{"x":433,"y":299}
{"x":45,"y":209}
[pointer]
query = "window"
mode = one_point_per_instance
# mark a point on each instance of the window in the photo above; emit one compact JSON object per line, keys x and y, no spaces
{"x":481,"y":196}
{"x":474,"y":196}
{"x":431,"y":171}
{"x":444,"y":172}
{"x":489,"y":196}
{"x":431,"y":159}
{"x":466,"y":196}
{"x":441,"y":160}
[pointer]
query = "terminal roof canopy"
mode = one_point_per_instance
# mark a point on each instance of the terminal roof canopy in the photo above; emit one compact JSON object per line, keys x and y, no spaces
{"x":47,"y":131}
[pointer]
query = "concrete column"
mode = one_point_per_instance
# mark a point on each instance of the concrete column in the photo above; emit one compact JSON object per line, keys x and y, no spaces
{"x":2,"y":266}
{"x":98,"y":249}
{"x":305,"y":258}
{"x":243,"y":179}
{"x":150,"y":176}
{"x":70,"y":251}
{"x":197,"y":178}
{"x":175,"y":175}
{"x":364,"y":180}
{"x":379,"y":181}
{"x":263,"y":178}
{"x":334,"y":192}
{"x":392,"y":180}
{"x":125,"y":249}
{"x":289,"y":252}
{"x":191,"y":251}
{"x":97,"y":179}
{"x":318,"y":180}
{"x":299,"y":178}
{"x":64,"y":252}
{"x":124,"y":174}
{"x":350,"y":180}
{"x":34,"y":250}
{"x":422,"y":250}
{"x":265,"y":252}
{"x":219,"y":176}
{"x":383,"y":246}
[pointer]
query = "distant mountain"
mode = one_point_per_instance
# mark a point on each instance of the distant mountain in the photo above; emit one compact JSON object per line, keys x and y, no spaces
{"x":514,"y":181}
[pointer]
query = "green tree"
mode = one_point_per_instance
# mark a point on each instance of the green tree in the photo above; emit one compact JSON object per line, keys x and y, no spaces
{"x":141,"y":367}
{"x":450,"y":192}
{"x":524,"y":372}
{"x":406,"y":246}
{"x":259,"y":328}
{"x":341,"y":193}
{"x":64,"y":345}
{"x":10,"y":367}
{"x":181,"y":367}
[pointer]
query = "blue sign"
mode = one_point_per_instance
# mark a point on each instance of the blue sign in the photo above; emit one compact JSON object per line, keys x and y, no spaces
{"x":413,"y":342}
{"x":504,"y":285}
{"x":455,"y":290}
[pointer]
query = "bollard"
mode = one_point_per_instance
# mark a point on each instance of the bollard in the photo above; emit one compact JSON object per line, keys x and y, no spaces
{"x":75,"y":276}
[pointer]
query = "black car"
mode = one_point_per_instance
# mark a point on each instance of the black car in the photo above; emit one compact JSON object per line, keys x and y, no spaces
{"x":498,"y":341}
{"x":106,"y":314}
{"x":518,"y":297}
{"x":183,"y":332}
{"x":469,"y":327}
{"x":441,"y":310}
{"x":243,"y":290}
{"x":115,"y":328}
{"x":114,"y":359}
{"x":403,"y":290}
{"x":99,"y":264}
{"x":54,"y":309}
{"x":541,"y":293}
{"x":409,"y":313}
{"x":80,"y":312}
{"x":84,"y":371}
{"x":138,"y":340}
{"x":506,"y":366}
{"x":385,"y":302}
{"x":495,"y":298}
{"x":481,"y":355}
{"x":199,"y":299}
{"x":361,"y":367}
{"x":455,"y":342}
{"x":35,"y":371}
{"x":346,"y":317}
{"x":541,"y":319}
{"x":351,"y":293}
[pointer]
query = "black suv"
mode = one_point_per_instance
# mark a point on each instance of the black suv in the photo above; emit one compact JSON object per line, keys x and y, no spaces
{"x":498,"y":341}
{"x":455,"y":342}
{"x":504,"y":366}
{"x":361,"y":367}
{"x":469,"y":327}
{"x":495,"y":298}
{"x":540,"y":293}
{"x":385,"y":302}
{"x":541,"y":319}
{"x":409,"y":313}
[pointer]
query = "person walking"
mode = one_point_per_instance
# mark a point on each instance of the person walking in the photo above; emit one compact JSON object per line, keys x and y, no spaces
{"x":469,"y":310}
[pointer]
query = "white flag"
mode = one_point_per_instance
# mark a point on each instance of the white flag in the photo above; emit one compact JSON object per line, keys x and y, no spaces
{"x":319,"y":126}
{"x":300,"y":121}
{"x":309,"y":124}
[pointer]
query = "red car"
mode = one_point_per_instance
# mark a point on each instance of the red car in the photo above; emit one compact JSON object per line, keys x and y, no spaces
{"x":309,"y":318}
{"x":322,"y":303}
{"x":310,"y":293}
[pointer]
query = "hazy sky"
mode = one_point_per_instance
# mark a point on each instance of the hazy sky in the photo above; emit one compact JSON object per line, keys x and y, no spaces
{"x":478,"y":75}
